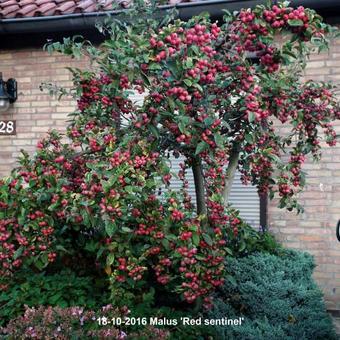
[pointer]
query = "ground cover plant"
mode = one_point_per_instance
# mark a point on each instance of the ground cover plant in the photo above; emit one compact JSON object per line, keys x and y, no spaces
{"x":63,"y":288}
{"x":102,"y":198}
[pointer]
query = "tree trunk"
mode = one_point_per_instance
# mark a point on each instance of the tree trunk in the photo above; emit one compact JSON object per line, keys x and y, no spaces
{"x":199,"y":186}
{"x":229,"y":175}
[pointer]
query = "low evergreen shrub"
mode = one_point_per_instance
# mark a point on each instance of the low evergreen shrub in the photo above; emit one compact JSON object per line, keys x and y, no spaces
{"x":277,"y":297}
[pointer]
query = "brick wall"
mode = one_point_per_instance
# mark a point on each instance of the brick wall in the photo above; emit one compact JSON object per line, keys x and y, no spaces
{"x":314,"y":230}
{"x":35,"y":112}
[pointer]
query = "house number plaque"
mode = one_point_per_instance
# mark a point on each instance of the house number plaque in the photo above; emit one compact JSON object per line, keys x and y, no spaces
{"x":7,"y":127}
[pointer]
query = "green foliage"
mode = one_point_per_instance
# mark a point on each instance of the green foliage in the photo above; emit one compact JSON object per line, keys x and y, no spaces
{"x":277,"y":297}
{"x":249,"y":241}
{"x":63,"y":289}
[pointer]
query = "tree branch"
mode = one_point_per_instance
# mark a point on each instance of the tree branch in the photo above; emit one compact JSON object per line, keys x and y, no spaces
{"x":199,"y":186}
{"x":230,"y":174}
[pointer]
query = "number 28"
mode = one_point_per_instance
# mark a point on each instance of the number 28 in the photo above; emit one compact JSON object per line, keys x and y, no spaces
{"x":6,"y":127}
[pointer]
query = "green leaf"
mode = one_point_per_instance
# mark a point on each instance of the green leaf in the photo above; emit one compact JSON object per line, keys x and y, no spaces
{"x":131,"y":75}
{"x":189,"y":63}
{"x":202,"y":146}
{"x":187,"y":82}
{"x":40,"y":264}
{"x":173,"y":67}
{"x":100,"y":252}
{"x":110,"y":259}
{"x":54,"y":298}
{"x":60,"y":247}
{"x":22,"y":217}
{"x":166,"y":244}
{"x":18,"y":253}
{"x":44,"y":197}
{"x":275,"y":158}
{"x":242,"y":246}
{"x":53,"y":206}
{"x":209,"y":121}
{"x":110,"y":228}
{"x":228,"y":251}
{"x":251,"y":117}
{"x":126,"y":230}
{"x":207,"y":239}
{"x":249,"y":138}
{"x":130,"y":189}
{"x":289,"y":53}
{"x":219,"y":140}
{"x":171,"y":103}
{"x":91,"y":246}
{"x":154,"y":66}
{"x":198,"y":86}
{"x":62,"y":304}
{"x":295,"y":22}
{"x":171,"y":237}
{"x":154,"y":130}
{"x":182,"y":127}
{"x":195,"y":239}
{"x":85,"y":217}
{"x":195,"y":49}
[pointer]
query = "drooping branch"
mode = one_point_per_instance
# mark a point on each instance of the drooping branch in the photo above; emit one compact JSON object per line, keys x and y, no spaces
{"x":199,"y":186}
{"x":230,"y":174}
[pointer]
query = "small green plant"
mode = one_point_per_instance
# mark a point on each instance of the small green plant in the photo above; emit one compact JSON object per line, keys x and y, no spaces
{"x":63,"y":289}
{"x":249,"y":240}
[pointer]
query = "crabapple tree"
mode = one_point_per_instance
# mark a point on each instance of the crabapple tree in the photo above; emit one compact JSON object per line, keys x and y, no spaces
{"x":215,"y":93}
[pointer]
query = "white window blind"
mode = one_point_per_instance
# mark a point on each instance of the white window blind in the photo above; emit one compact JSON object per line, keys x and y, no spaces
{"x":244,"y":198}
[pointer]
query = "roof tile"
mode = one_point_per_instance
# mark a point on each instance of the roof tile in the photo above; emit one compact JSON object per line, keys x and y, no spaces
{"x":23,"y":3}
{"x":33,"y":8}
{"x":91,"y":8}
{"x":46,"y":9}
{"x":9,"y":3}
{"x":26,"y":11}
{"x":42,"y":2}
{"x":67,"y":6}
{"x":10,"y":11}
{"x":86,"y":6}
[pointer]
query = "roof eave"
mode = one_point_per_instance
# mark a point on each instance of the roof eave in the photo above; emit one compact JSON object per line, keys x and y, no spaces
{"x":87,"y":21}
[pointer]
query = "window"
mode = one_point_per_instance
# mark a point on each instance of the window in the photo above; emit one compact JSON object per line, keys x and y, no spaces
{"x":243,"y":198}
